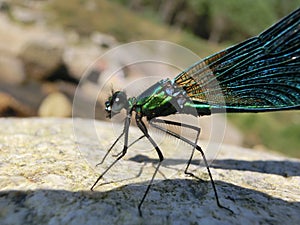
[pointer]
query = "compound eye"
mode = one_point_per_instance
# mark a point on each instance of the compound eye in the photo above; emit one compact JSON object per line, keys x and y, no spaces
{"x":117,"y":105}
{"x":118,"y":102}
{"x":107,"y":106}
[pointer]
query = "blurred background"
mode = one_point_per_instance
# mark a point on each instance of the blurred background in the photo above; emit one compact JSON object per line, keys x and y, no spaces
{"x":47,"y":45}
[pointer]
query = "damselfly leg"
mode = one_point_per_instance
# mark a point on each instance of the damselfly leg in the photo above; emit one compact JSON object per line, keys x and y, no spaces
{"x":132,"y":143}
{"x":125,"y":147}
{"x":195,"y":146}
{"x":143,"y":128}
{"x":197,"y":129}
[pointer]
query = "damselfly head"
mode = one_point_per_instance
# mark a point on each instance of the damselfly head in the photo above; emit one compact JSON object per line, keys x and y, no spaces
{"x":116,"y":103}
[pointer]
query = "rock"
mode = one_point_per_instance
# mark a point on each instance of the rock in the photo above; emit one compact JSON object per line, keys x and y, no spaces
{"x":28,"y":94}
{"x":11,"y":36}
{"x":46,"y":99}
{"x":41,"y":59}
{"x":26,"y":15}
{"x":12,"y":70}
{"x":46,"y":178}
{"x":9,"y":106}
{"x":14,"y":38}
{"x":103,"y":40}
{"x":79,"y":58}
{"x":55,"y":105}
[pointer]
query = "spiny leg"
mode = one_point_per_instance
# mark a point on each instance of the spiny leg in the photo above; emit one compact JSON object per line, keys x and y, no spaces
{"x":203,"y":156}
{"x":117,"y":155}
{"x":143,"y":128}
{"x":135,"y":141}
{"x":109,"y":150}
{"x":197,"y":129}
{"x":125,"y":131}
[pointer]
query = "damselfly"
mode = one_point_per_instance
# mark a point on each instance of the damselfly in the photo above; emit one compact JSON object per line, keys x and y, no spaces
{"x":258,"y":75}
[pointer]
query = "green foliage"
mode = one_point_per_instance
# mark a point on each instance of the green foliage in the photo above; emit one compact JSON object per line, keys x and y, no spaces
{"x":111,"y":18}
{"x":278,"y":131}
{"x":218,"y":20}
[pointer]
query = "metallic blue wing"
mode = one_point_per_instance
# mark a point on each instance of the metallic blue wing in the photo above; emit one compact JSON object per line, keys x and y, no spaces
{"x":259,"y":74}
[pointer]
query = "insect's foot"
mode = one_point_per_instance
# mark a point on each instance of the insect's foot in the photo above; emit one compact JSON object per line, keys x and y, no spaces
{"x":118,"y":154}
{"x":189,"y":174}
{"x":226,"y":208}
{"x":98,"y":164}
{"x":192,"y":175}
{"x":140,"y":211}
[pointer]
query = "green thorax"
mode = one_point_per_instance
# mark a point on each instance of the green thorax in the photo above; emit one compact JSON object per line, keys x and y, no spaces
{"x":165,"y":98}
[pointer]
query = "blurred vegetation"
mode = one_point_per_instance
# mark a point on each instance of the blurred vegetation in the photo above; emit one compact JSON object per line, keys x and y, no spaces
{"x":278,"y":131}
{"x":112,"y":18}
{"x":215,"y":20}
{"x":188,"y":23}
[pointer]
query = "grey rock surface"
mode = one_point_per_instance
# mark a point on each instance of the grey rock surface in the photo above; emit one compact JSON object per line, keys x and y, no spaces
{"x":48,"y":166}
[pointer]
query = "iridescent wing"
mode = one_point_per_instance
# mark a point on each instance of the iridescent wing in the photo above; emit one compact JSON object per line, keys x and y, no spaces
{"x":259,"y":74}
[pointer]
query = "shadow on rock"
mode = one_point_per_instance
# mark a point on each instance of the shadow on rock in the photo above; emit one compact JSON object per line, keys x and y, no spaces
{"x":283,"y":168}
{"x":177,"y":201}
